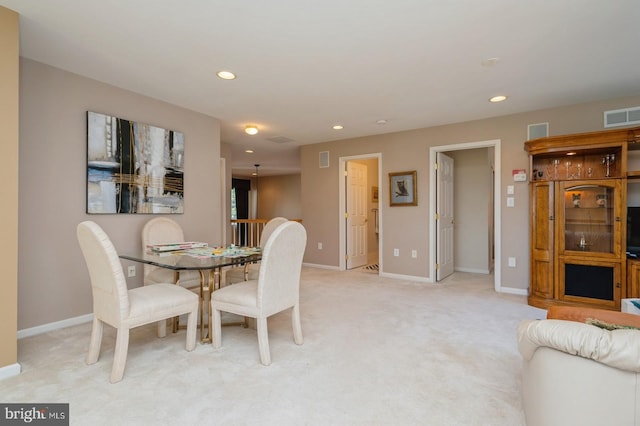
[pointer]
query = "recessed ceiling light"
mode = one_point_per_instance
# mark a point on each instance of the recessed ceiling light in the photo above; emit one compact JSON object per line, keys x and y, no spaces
{"x":248,"y":151}
{"x":338,"y":127}
{"x":226,"y":75}
{"x":251,"y":129}
{"x":498,"y":98}
{"x":382,"y":121}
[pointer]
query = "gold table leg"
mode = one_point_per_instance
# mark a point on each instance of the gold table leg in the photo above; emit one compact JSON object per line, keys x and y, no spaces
{"x":203,"y":339}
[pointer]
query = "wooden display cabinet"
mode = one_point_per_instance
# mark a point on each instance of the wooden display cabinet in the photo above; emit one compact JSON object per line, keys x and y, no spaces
{"x":578,"y":187}
{"x":633,"y":278}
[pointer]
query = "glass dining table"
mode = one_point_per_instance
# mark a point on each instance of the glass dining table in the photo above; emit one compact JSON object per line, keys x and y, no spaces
{"x":209,"y":266}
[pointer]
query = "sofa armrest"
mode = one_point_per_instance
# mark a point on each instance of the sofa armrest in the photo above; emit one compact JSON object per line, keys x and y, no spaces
{"x":616,"y":348}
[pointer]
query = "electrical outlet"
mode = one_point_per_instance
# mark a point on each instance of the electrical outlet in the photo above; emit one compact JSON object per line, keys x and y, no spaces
{"x":512,"y":262}
{"x":414,"y":254}
{"x":131,"y":271}
{"x":396,"y":252}
{"x":319,"y":246}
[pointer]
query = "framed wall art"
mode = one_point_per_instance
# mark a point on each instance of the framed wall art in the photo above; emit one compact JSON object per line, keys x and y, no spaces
{"x":133,"y":167}
{"x":402,"y":189}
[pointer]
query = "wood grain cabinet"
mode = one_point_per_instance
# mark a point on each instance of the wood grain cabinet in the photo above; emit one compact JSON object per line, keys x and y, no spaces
{"x":633,"y":278}
{"x":578,"y":188}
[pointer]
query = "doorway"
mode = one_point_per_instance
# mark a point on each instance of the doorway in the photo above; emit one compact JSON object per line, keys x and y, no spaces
{"x":360,"y":220}
{"x":493,"y":228}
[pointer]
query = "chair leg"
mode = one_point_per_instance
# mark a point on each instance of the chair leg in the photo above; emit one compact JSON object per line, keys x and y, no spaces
{"x":95,"y":342}
{"x":192,"y":322}
{"x":263,"y":341}
{"x":297,"y":327}
{"x":217,"y":327}
{"x":120,"y":354}
{"x":162,"y":328}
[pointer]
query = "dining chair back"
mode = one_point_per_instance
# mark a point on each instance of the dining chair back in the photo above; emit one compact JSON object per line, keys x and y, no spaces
{"x":114,"y":304}
{"x":269,"y":227}
{"x":276,"y":289}
{"x":250,"y":270}
{"x":162,"y":230}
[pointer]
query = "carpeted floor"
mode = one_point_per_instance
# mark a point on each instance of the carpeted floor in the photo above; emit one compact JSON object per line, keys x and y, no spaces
{"x":377,"y":351}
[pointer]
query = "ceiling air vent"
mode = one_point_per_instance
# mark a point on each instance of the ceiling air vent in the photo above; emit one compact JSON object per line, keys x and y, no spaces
{"x":621,"y":117}
{"x":280,"y":139}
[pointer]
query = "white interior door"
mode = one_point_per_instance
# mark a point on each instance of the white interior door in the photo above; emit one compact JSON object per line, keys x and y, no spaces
{"x":444,"y":215}
{"x":356,"y":214}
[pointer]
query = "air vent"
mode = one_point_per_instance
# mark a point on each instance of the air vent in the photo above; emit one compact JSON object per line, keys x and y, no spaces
{"x":323,"y":159}
{"x":622,"y":117}
{"x":280,"y":139}
{"x":535,"y":131}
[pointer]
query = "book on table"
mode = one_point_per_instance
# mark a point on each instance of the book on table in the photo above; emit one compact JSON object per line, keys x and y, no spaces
{"x":185,"y":245}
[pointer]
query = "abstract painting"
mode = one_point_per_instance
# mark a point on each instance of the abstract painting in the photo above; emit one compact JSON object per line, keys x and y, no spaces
{"x":133,"y":167}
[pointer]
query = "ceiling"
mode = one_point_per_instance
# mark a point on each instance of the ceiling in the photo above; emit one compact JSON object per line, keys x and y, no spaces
{"x":304,"y":66}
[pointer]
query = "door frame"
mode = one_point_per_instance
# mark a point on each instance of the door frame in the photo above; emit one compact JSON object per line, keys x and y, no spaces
{"x":342,"y":195}
{"x":495,"y":144}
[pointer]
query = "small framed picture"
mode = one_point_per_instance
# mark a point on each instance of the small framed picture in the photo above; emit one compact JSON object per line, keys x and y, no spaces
{"x":402,"y":189}
{"x":374,"y":194}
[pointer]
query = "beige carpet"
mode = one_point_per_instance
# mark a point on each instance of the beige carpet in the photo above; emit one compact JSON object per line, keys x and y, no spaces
{"x":377,"y":351}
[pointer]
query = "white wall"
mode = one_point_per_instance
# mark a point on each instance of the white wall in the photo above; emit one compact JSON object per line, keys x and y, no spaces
{"x":407,"y":228}
{"x":53,"y":283}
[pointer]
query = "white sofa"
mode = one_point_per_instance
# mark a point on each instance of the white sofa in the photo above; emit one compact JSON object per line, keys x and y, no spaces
{"x":579,"y":374}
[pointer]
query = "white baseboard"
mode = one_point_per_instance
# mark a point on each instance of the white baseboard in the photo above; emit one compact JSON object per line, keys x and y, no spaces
{"x":511,"y":290}
{"x":406,"y":277}
{"x":45,"y":328}
{"x":9,"y":371}
{"x":473,"y":270}
{"x":313,"y":265}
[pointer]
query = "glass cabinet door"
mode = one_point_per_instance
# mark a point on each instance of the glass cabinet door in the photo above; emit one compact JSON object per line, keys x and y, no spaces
{"x":591,"y":219}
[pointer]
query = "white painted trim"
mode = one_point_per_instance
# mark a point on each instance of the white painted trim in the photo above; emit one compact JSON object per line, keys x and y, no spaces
{"x":10,"y":371}
{"x":473,"y":270}
{"x":511,"y":290}
{"x":313,"y":265}
{"x":342,"y":194}
{"x":223,"y":201}
{"x":497,"y":159}
{"x":406,"y":277}
{"x":45,"y":328}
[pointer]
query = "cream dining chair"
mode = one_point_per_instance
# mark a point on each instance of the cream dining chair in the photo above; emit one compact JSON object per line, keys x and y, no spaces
{"x":125,"y":309}
{"x":162,"y":230}
{"x":250,"y":270}
{"x":276,"y":289}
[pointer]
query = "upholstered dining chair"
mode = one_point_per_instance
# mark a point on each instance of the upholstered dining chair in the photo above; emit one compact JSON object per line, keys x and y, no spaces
{"x":276,"y":289}
{"x":162,"y":230}
{"x":250,"y":270}
{"x":124,"y":309}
